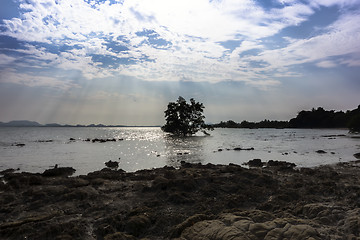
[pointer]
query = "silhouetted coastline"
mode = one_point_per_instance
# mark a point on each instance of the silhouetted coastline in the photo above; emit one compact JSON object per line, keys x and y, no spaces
{"x":316,"y":118}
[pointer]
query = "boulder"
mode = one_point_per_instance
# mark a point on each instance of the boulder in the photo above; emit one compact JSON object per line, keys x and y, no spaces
{"x":255,"y":163}
{"x":58,"y":171}
{"x":112,"y":164}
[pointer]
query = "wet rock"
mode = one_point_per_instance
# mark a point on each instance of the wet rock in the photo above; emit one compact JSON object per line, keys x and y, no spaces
{"x":281,"y":165}
{"x":136,"y":225}
{"x":58,"y":171}
{"x":176,"y":232}
{"x":45,"y":141}
{"x":193,"y":202}
{"x":231,"y":226}
{"x":101,"y":140}
{"x":243,"y":149}
{"x":112,"y":164}
{"x":255,"y":163}
{"x":119,"y":236}
{"x":19,"y":144}
{"x":6,"y":171}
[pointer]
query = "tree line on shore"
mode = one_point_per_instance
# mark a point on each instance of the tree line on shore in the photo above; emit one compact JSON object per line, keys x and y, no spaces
{"x":183,"y":119}
{"x":315,"y":118}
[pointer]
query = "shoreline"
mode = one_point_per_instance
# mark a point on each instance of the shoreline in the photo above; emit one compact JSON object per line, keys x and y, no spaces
{"x":193,"y":202}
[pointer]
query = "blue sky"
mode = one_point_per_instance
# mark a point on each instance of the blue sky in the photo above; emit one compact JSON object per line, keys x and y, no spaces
{"x":122,"y":61}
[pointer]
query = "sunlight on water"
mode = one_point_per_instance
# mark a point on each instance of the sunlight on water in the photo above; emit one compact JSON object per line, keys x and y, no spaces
{"x":145,"y":148}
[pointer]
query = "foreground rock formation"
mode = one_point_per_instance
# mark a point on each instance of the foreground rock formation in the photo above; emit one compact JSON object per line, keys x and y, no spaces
{"x":193,"y":202}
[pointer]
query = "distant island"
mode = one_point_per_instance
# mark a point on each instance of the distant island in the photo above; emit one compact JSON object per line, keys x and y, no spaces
{"x":25,"y":123}
{"x":315,"y":118}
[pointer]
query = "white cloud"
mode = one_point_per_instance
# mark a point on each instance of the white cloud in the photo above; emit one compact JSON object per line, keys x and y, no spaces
{"x":5,"y":59}
{"x":193,"y":30}
{"x":340,"y":38}
{"x":326,"y":64}
{"x":9,"y":75}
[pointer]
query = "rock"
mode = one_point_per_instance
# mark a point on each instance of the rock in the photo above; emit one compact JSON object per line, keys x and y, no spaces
{"x":187,"y":223}
{"x":243,"y":149}
{"x":100,"y":140}
{"x":137,"y":224}
{"x":119,"y":236}
{"x":9,"y":170}
{"x":58,"y":171}
{"x":281,"y":165}
{"x":320,"y":151}
{"x":112,"y":164}
{"x":230,"y":226}
{"x":255,"y":163}
{"x":192,"y":202}
{"x":19,"y":144}
{"x":357,"y":155}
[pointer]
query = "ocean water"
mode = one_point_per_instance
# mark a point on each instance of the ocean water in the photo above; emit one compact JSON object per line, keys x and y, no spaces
{"x":146,"y":148}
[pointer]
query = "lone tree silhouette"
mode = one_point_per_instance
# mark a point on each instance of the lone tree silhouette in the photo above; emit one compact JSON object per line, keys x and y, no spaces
{"x":184,"y":119}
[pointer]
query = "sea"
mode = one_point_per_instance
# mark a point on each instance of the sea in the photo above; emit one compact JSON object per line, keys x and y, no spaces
{"x":35,"y":149}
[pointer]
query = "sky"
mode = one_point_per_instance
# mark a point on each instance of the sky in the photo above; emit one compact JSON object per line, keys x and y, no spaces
{"x":123,"y":61}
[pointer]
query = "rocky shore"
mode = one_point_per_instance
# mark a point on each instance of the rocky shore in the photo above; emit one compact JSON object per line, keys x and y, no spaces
{"x":270,"y":201}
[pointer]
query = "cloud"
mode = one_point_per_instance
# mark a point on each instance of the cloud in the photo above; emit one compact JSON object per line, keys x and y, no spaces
{"x":162,"y":40}
{"x":9,"y":75}
{"x":339,"y":39}
{"x":6,"y":60}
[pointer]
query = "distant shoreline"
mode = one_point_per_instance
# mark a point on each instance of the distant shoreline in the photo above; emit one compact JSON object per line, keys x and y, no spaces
{"x":25,"y":123}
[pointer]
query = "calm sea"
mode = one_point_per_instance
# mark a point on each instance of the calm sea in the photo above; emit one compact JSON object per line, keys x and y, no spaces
{"x":145,"y":148}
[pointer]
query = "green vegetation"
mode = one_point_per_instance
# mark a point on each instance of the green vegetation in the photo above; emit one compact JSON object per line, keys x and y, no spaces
{"x":184,"y":119}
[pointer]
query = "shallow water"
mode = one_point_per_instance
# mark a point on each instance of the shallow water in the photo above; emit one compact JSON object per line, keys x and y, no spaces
{"x":144,"y":148}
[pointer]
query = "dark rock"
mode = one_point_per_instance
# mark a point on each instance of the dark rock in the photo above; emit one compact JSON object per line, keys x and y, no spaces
{"x":112,"y":164}
{"x":119,"y":236}
{"x":9,"y":170}
{"x":243,"y":149}
{"x":137,"y":224}
{"x":72,"y":139}
{"x":281,"y":165}
{"x":357,"y":155}
{"x":19,"y":144}
{"x":320,"y":151}
{"x":100,"y":140}
{"x":58,"y":171}
{"x":255,"y":163}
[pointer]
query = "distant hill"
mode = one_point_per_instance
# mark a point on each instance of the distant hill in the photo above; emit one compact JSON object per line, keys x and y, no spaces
{"x":25,"y":123}
{"x":20,"y":123}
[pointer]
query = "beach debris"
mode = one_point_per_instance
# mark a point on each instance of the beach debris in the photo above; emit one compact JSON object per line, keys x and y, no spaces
{"x":112,"y":164}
